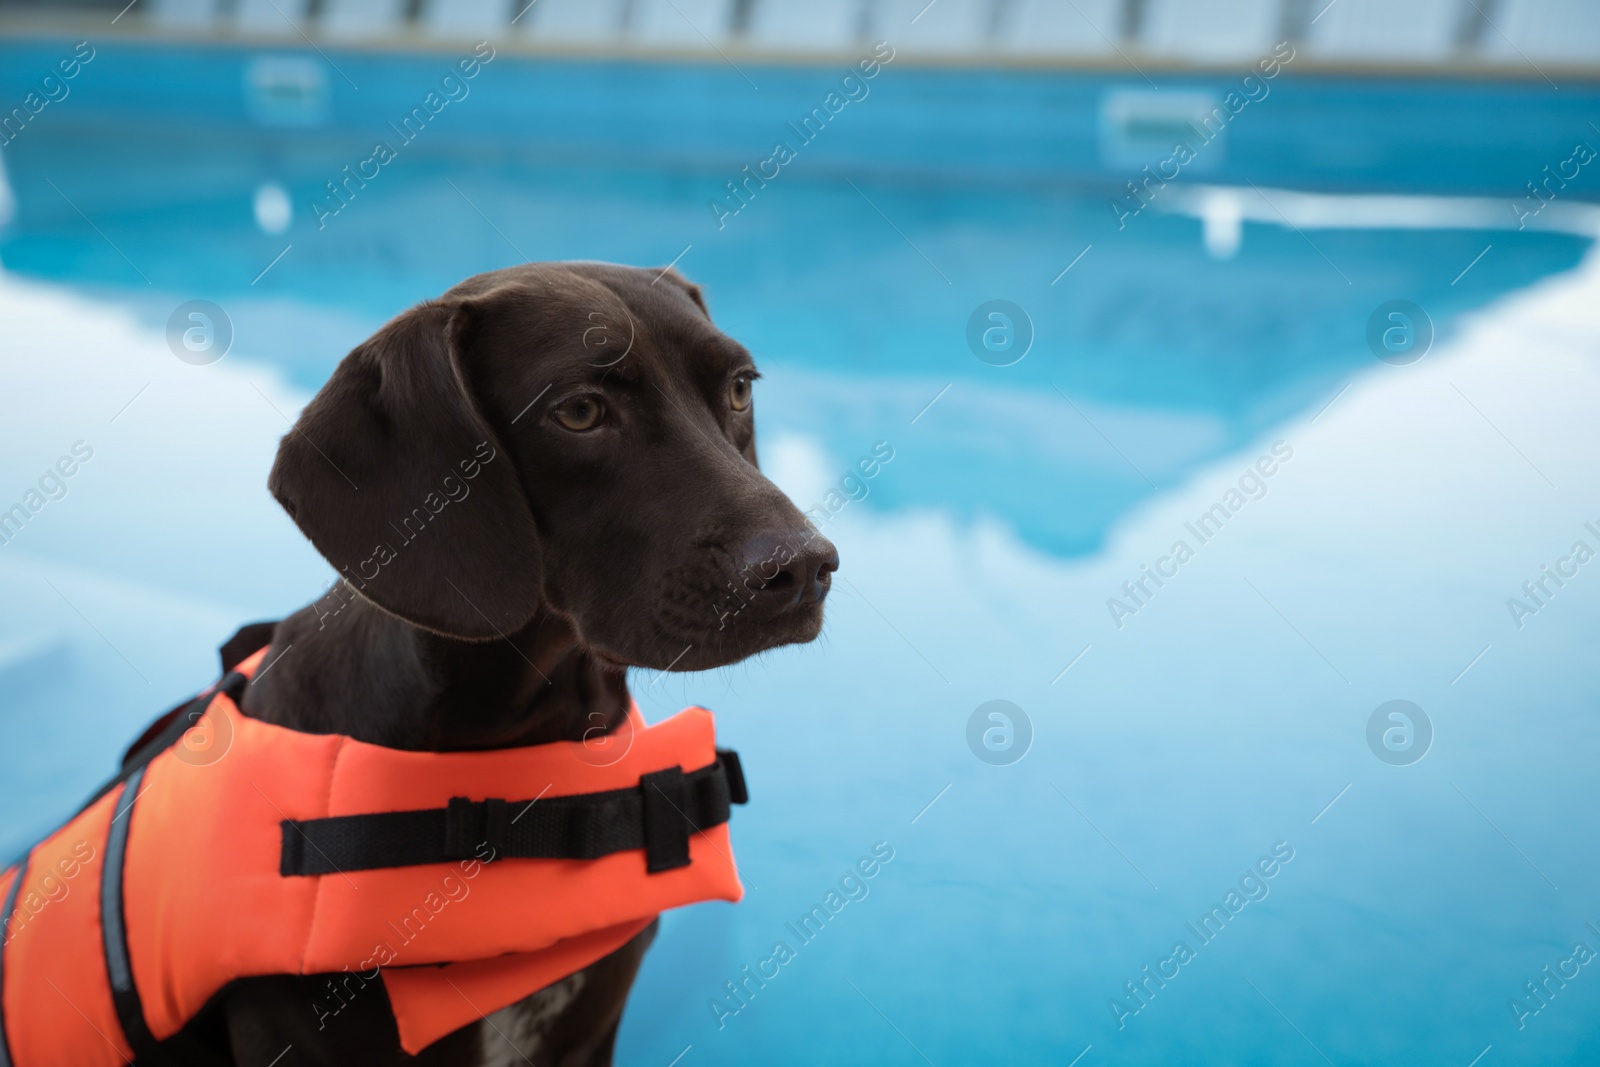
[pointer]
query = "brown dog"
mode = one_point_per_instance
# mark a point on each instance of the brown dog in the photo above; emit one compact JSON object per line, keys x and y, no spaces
{"x":529,"y":485}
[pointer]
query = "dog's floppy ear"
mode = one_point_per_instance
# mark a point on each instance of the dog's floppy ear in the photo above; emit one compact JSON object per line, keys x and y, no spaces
{"x":398,"y":480}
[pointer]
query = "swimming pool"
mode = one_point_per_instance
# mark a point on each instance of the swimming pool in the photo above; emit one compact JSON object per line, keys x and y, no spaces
{"x":1180,"y":736}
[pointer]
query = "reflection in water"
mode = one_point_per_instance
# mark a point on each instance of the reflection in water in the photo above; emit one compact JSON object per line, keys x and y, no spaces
{"x":1149,"y":357}
{"x":1353,"y":532}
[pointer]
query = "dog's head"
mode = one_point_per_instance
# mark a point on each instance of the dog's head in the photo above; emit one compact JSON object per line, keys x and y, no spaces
{"x":577,"y":437}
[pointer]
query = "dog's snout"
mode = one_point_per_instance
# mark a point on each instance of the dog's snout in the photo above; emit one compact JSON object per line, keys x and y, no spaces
{"x":790,"y":568}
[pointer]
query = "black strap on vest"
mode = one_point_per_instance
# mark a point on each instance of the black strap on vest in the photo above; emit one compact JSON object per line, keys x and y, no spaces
{"x":6,"y":911}
{"x":183,"y":1047}
{"x":170,"y":728}
{"x":124,"y":992}
{"x":657,"y":815}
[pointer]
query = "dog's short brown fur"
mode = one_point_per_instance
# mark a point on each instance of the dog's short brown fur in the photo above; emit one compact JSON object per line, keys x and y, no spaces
{"x":504,"y":562}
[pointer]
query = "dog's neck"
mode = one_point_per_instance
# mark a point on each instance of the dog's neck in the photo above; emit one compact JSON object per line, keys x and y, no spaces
{"x":371,"y":676}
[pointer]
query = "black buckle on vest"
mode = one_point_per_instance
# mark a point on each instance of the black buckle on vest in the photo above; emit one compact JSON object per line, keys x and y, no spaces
{"x":469,"y":825}
{"x":738,"y":792}
{"x":666,"y":824}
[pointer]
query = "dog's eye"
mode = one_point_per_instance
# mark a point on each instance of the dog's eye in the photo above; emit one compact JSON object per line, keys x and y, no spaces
{"x":739,"y":393}
{"x":580,"y":413}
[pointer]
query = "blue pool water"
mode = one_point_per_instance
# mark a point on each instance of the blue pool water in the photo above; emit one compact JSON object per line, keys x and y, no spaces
{"x":1180,"y":735}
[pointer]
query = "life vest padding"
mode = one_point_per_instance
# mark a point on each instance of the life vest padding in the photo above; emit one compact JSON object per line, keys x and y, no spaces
{"x":58,"y":1008}
{"x":204,"y":901}
{"x":430,"y":1002}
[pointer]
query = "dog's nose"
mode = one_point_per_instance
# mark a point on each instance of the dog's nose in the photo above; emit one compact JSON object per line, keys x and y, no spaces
{"x":783,"y":570}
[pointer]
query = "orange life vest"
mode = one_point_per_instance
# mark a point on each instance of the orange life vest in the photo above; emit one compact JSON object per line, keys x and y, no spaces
{"x":232,"y":848}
